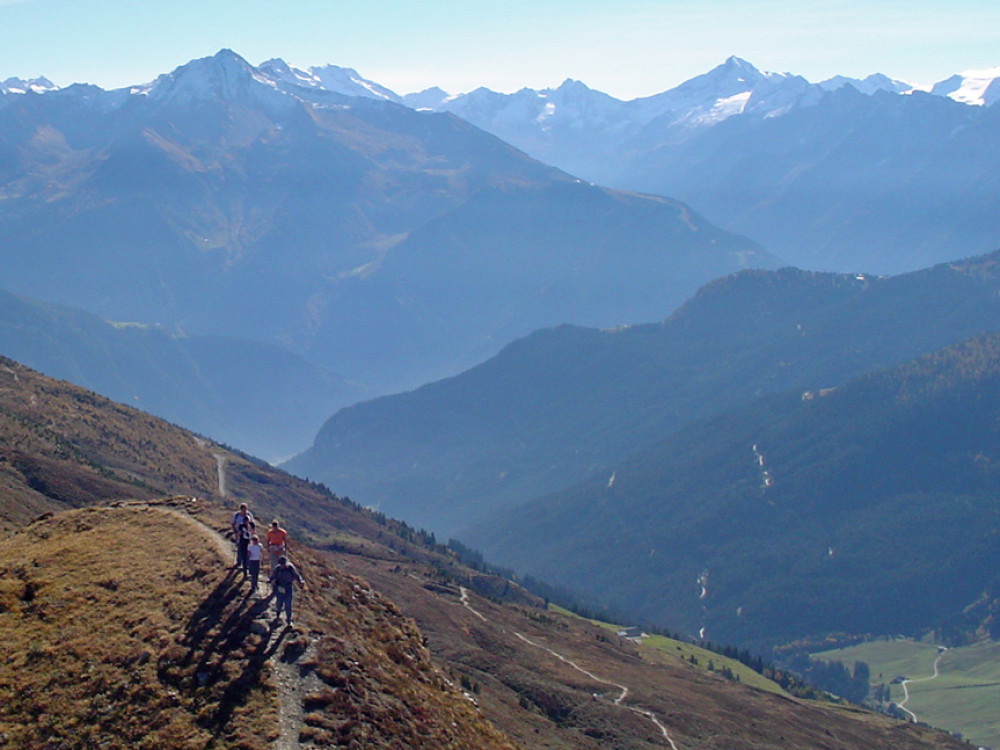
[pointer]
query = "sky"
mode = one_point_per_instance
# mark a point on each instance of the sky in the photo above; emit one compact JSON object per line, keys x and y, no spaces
{"x":626,"y":48}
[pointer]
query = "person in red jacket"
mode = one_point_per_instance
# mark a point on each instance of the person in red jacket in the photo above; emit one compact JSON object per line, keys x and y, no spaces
{"x":276,"y":540}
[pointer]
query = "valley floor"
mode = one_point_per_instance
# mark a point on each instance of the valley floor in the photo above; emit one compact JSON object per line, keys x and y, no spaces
{"x":957,"y":689}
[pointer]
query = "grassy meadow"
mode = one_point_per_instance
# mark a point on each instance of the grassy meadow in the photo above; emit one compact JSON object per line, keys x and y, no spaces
{"x":659,"y":648}
{"x":963,"y":698}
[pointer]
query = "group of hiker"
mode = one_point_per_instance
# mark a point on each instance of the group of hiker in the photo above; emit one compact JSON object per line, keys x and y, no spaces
{"x":250,"y":552}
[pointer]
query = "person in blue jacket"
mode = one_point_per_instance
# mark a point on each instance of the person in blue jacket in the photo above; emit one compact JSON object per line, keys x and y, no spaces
{"x":283,"y":578}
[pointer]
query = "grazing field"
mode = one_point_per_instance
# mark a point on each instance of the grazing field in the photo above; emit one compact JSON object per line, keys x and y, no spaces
{"x":964,"y":695}
{"x":658,"y":648}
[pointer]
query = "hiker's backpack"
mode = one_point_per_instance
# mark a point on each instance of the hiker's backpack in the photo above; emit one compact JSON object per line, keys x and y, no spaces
{"x":283,"y":576}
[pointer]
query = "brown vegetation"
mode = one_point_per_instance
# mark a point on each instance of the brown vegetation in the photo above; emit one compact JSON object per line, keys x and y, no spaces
{"x":126,"y":628}
{"x":123,"y":630}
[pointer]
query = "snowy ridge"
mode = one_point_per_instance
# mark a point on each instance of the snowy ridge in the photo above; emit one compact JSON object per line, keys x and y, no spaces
{"x":869,"y":85}
{"x":328,"y":78}
{"x":732,"y":88}
{"x":20,"y":86}
{"x":976,"y":87}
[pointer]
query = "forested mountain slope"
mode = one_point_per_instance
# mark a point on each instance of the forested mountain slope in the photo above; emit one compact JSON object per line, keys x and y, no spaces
{"x":557,"y":404}
{"x":867,"y":509}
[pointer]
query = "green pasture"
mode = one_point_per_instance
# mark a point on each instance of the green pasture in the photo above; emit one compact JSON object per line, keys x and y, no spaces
{"x":965,"y":697}
{"x":655,"y":647}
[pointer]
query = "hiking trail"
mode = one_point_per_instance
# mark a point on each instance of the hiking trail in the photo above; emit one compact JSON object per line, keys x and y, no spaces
{"x":290,"y":682}
{"x":619,"y":701}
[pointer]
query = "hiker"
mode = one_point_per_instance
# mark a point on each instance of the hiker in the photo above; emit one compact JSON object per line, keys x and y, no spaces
{"x":254,"y":554}
{"x":277,"y":543}
{"x":282,"y":579}
{"x":243,"y":528}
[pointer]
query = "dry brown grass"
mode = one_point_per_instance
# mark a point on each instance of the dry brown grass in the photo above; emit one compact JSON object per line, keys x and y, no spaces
{"x":377,"y":684}
{"x":123,"y":630}
{"x":62,"y":446}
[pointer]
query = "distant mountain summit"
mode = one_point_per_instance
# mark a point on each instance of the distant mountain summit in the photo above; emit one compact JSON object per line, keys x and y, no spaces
{"x":332,"y":78}
{"x":979,"y":87}
{"x":21,"y":86}
{"x":869,"y":85}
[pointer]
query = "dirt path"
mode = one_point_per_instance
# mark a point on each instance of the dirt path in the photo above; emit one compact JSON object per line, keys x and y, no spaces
{"x":293,"y":686}
{"x":619,"y":701}
{"x":220,"y":543}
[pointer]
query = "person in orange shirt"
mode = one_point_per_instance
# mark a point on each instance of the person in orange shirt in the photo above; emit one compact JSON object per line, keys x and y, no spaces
{"x":277,"y":543}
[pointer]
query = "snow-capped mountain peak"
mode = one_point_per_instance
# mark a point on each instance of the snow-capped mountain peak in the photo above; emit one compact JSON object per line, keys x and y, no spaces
{"x":729,"y":89}
{"x":349,"y":82}
{"x":279,"y":71}
{"x":20,"y":86}
{"x":224,"y":76}
{"x":977,"y":87}
{"x":868,"y":85}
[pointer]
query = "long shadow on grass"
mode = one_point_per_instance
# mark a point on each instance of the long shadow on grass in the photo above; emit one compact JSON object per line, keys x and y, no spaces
{"x":220,"y":634}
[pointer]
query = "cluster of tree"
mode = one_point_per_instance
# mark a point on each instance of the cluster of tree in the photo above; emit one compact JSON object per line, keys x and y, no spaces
{"x":835,"y":677}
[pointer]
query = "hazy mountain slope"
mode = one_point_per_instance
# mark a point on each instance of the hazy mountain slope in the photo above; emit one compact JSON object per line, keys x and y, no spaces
{"x":871,"y":509}
{"x":256,"y":396}
{"x":154,"y":631}
{"x":489,"y":272}
{"x":881,"y":183}
{"x":557,"y":404}
{"x":216,"y":201}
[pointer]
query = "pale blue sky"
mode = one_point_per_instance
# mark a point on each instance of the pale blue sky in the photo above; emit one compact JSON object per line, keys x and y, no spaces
{"x":627,"y":48}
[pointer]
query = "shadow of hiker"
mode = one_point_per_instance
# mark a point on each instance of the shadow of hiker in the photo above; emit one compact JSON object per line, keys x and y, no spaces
{"x":237,"y":690}
{"x":227,"y":641}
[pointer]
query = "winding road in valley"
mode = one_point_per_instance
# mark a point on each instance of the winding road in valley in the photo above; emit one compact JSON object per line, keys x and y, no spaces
{"x":619,"y":701}
{"x":907,"y":683}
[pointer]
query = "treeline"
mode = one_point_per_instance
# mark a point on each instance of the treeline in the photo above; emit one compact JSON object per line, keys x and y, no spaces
{"x":835,"y":677}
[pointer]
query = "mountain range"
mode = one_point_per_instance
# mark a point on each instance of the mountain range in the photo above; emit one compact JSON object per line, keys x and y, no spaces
{"x":384,"y":245}
{"x":231,"y":200}
{"x":871,"y":175}
{"x":224,"y":204}
{"x":844,"y":175}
